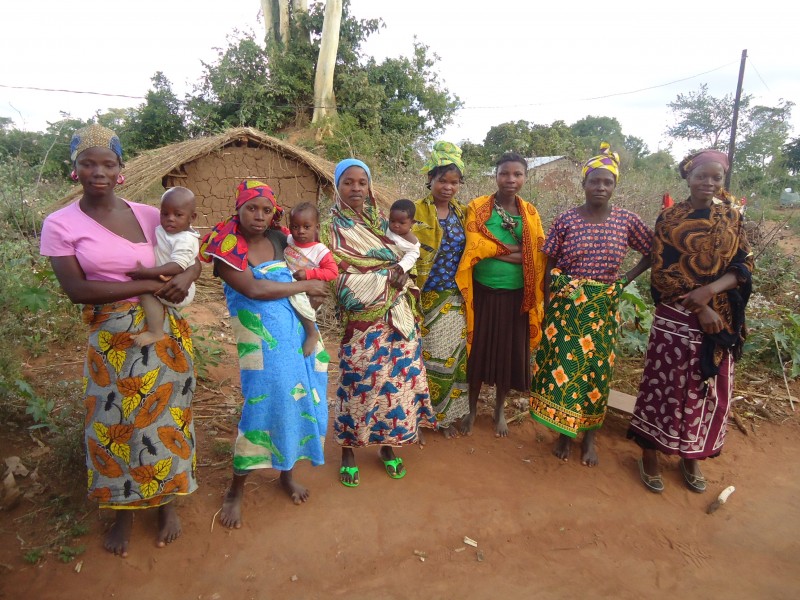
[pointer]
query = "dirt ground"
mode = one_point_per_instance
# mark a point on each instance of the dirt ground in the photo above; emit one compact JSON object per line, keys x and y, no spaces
{"x":544,"y":528}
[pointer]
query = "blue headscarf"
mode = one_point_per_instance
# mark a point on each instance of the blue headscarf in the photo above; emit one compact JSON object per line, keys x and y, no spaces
{"x":346,"y":164}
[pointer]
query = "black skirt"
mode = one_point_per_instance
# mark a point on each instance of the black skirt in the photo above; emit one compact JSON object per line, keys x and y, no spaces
{"x":500,"y":353}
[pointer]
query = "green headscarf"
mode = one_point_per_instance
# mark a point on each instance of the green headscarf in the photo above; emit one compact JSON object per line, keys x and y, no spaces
{"x":444,"y":153}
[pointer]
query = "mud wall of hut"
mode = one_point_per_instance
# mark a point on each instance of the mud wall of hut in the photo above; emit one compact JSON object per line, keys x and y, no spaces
{"x":213,"y":179}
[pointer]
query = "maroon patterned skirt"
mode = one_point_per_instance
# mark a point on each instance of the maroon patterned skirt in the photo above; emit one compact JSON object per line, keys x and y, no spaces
{"x":677,"y":411}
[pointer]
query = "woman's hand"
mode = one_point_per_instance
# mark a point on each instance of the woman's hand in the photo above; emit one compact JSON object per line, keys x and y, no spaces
{"x":697,"y":299}
{"x":397,"y":279}
{"x":315,"y":301}
{"x":177,"y":288}
{"x":315,"y":287}
{"x":138,"y":272}
{"x":513,"y":248}
{"x":710,"y":321}
{"x":515,"y":258}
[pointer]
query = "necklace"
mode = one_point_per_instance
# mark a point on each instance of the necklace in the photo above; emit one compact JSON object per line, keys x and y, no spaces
{"x":508,"y":221}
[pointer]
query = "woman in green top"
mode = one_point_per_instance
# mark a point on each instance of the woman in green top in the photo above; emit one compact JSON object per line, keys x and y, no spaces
{"x":501,"y":276}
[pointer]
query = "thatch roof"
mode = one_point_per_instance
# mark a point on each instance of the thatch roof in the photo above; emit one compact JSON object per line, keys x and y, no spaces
{"x":150,"y":167}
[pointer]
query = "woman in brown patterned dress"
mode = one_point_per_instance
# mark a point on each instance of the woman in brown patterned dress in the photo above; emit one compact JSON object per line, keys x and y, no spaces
{"x":701,"y":280}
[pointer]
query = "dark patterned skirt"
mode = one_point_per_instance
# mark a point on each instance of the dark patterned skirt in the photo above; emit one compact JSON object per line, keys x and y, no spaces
{"x":500,"y":353}
{"x":677,"y":411}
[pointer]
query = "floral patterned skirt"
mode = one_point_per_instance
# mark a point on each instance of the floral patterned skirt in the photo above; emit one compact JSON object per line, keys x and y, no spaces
{"x":573,"y":365}
{"x":139,"y":434}
{"x":444,"y":351}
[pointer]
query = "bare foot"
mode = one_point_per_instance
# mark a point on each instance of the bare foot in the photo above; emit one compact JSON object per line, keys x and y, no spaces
{"x":311,"y":342}
{"x":118,"y":537}
{"x":169,"y":525}
{"x":297,"y":492}
{"x":231,"y":515}
{"x":420,"y":437}
{"x":500,"y":425}
{"x":148,"y":337}
{"x":466,"y":423}
{"x":450,"y":432}
{"x":562,"y":448}
{"x":589,"y":449}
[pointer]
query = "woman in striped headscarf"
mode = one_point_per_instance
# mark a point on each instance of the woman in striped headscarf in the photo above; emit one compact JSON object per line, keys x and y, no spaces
{"x":585,"y":248}
{"x":439,"y":227}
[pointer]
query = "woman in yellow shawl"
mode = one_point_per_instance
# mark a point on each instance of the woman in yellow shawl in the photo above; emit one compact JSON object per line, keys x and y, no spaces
{"x":440,"y":229}
{"x":501,"y":277}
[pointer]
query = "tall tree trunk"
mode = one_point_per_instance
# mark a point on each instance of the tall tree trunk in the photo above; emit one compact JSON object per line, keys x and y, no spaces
{"x":269,"y":18}
{"x":283,"y":14}
{"x":324,"y":99}
{"x":276,"y":17}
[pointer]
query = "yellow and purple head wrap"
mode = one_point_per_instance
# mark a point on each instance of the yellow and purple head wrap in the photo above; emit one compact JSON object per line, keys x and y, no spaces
{"x":691,"y":162}
{"x":605,"y":160}
{"x":94,"y":136}
{"x":443,"y":154}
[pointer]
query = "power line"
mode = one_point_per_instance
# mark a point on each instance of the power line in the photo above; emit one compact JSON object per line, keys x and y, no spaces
{"x":41,"y":89}
{"x":759,"y":76}
{"x":346,"y":108}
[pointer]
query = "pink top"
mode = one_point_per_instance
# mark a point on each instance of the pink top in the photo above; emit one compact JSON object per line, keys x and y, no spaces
{"x":102,"y":254}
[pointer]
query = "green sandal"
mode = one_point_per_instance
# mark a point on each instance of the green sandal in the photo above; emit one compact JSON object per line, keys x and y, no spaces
{"x":352,"y":472}
{"x":393,"y":468}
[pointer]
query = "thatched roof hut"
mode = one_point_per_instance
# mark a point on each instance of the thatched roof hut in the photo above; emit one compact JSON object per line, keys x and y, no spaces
{"x":213,"y":166}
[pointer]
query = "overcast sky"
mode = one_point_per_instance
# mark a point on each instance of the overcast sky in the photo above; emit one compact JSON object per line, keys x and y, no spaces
{"x":538,"y":61}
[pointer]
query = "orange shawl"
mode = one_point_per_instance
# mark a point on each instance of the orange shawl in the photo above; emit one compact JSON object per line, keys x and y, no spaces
{"x":482,"y":244}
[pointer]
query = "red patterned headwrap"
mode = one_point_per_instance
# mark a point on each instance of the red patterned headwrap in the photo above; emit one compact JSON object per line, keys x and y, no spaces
{"x":224,"y":241}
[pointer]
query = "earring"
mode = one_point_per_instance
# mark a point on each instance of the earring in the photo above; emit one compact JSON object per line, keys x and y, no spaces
{"x":428,"y":185}
{"x":120,"y":179}
{"x":73,"y":175}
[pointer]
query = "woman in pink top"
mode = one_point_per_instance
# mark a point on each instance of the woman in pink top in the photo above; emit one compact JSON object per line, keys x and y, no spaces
{"x":139,"y":435}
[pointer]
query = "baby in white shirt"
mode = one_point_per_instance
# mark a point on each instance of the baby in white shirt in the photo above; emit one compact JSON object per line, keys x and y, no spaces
{"x":177,"y":244}
{"x":401,"y":219}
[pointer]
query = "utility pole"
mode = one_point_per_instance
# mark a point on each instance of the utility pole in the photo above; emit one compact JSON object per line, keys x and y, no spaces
{"x":732,"y":143}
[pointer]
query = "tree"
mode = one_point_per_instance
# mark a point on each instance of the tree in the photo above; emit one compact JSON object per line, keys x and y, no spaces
{"x":791,"y":156}
{"x":157,"y":122}
{"x":234,"y":90}
{"x":591,"y":131}
{"x":704,"y":118}
{"x":555,"y":139}
{"x":508,"y":137}
{"x":635,"y":147}
{"x":324,"y":98}
{"x":764,"y":134}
